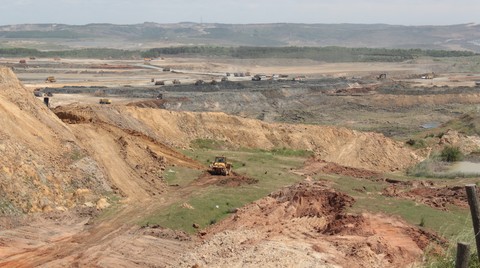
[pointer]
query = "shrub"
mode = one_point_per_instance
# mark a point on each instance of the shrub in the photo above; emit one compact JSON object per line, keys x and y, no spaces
{"x":416,"y":143}
{"x":411,"y":142}
{"x":451,"y":154}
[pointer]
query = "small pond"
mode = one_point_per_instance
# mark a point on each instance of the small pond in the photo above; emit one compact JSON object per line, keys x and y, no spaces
{"x":465,"y":167}
{"x":430,"y":125}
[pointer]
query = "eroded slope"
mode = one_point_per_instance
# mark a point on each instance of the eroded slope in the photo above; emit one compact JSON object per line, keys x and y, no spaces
{"x":42,"y":167}
{"x":347,"y":147}
{"x":306,"y":225}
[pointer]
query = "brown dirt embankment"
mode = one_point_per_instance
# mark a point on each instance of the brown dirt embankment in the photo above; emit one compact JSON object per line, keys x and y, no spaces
{"x":42,"y":166}
{"x":132,"y":156}
{"x":305,"y":225}
{"x":351,"y":148}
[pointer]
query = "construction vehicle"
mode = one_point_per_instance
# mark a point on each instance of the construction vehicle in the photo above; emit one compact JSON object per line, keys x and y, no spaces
{"x":38,"y":93}
{"x":51,"y":79}
{"x":382,"y":76}
{"x":220,"y":166}
{"x":428,"y":76}
{"x":105,"y":101}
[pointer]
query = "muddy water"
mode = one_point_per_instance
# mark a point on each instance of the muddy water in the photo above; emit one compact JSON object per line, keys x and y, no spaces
{"x":465,"y":167}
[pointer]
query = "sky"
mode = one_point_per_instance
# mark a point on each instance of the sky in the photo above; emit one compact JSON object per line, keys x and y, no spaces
{"x":80,"y":12}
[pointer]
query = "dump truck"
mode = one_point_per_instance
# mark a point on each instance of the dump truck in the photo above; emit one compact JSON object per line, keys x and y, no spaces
{"x":220,"y":166}
{"x":51,"y":79}
{"x":105,"y":101}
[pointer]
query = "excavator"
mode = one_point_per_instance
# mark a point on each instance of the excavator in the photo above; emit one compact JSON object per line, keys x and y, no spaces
{"x":220,"y":166}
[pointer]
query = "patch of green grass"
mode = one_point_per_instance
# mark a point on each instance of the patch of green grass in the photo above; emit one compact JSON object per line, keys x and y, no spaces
{"x":368,"y":197}
{"x":446,"y":223}
{"x":7,"y":208}
{"x":76,"y":155}
{"x":209,"y":206}
{"x":283,"y":152}
{"x":180,"y":176}
{"x":448,"y":260}
{"x":208,"y":144}
{"x":113,"y":209}
{"x":271,"y":171}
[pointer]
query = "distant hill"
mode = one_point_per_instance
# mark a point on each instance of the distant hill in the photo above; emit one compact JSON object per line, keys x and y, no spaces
{"x":149,"y":35}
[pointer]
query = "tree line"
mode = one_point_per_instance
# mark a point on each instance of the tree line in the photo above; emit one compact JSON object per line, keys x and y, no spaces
{"x":96,"y":53}
{"x":327,"y":54}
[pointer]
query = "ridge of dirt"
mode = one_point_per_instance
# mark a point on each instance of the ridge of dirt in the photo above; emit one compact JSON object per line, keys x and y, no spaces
{"x":308,"y":222}
{"x":430,"y":194}
{"x":314,"y":165}
{"x":351,"y":148}
{"x":232,"y":180}
{"x":132,"y":156}
{"x":113,"y":120}
{"x":43,"y":168}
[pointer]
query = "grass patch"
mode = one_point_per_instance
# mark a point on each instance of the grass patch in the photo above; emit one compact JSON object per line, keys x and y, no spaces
{"x":209,"y":207}
{"x":208,"y":144}
{"x":180,"y":176}
{"x":448,"y":259}
{"x":282,"y":152}
{"x":7,"y":208}
{"x":368,"y":197}
{"x":112,"y":210}
{"x":76,"y":155}
{"x":214,"y":203}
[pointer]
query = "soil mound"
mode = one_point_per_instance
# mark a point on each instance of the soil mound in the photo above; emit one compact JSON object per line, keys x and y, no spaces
{"x":306,"y":225}
{"x":232,"y":180}
{"x":314,"y":166}
{"x":159,"y":103}
{"x":439,"y":197}
{"x":43,"y":168}
{"x":371,"y":151}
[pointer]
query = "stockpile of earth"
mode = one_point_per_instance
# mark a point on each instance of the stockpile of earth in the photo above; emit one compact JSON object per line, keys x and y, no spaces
{"x":306,"y":225}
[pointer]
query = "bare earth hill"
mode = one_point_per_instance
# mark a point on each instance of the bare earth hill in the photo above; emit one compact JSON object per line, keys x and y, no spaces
{"x":42,"y":167}
{"x":340,"y":145}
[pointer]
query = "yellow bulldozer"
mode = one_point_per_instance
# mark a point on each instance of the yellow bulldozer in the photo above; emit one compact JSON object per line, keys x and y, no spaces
{"x":220,"y":166}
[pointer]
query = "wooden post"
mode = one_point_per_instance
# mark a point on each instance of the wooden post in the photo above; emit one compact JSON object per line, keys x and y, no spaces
{"x":475,"y":211}
{"x":463,"y":255}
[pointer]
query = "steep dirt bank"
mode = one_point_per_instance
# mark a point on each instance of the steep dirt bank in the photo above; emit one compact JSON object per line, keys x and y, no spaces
{"x":42,"y":166}
{"x":347,"y":147}
{"x":132,"y":156}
